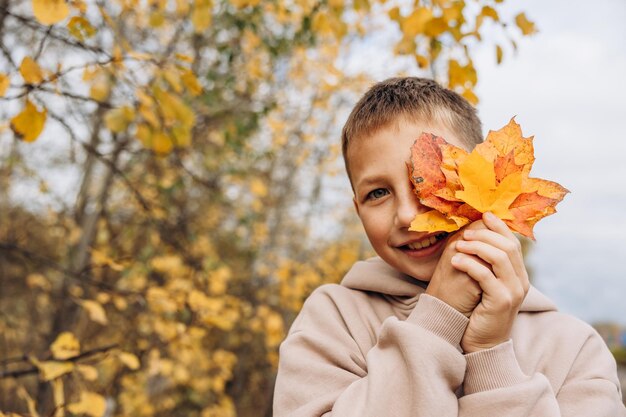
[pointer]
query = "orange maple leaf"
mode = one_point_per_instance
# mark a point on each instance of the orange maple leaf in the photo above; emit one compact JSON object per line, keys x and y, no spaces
{"x":460,"y":186}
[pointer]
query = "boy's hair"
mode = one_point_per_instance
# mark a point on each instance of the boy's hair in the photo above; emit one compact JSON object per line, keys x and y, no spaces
{"x":416,"y":100}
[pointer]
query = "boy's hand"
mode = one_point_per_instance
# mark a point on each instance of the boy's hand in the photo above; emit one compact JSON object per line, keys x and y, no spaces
{"x":453,"y":286}
{"x":502,"y":277}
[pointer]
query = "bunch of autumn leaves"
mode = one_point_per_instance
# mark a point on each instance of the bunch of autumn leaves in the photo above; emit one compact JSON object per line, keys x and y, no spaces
{"x":460,"y":186}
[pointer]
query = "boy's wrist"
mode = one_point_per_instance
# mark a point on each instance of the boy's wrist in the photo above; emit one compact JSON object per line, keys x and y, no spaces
{"x":439,"y":318}
{"x":492,"y":369}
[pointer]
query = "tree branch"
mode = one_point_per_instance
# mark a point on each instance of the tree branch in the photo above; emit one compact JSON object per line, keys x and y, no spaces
{"x":34,"y":370}
{"x":81,"y":276}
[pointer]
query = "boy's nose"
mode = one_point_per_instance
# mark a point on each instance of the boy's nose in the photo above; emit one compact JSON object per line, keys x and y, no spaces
{"x":408,"y":207}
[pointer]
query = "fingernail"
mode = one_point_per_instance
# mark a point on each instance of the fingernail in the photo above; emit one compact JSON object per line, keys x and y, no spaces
{"x":490,"y":216}
{"x":468,"y":233}
{"x":456,"y":259}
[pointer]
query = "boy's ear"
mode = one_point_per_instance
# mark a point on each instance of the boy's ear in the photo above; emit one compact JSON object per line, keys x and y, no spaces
{"x":356,"y":206}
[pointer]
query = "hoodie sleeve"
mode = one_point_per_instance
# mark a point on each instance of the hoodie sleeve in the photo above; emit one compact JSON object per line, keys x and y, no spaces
{"x":495,"y":385}
{"x":414,"y":368}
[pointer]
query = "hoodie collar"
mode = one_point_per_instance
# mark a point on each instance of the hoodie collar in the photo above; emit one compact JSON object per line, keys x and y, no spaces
{"x":376,"y":275}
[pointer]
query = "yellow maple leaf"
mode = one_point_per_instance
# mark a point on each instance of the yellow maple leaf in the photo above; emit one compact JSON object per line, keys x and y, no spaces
{"x":477,"y":175}
{"x":49,"y":12}
{"x":90,"y":403}
{"x":493,"y":177}
{"x":31,"y":71}
{"x":65,"y":346}
{"x":506,"y":140}
{"x":28,"y":124}
{"x":433,"y":221}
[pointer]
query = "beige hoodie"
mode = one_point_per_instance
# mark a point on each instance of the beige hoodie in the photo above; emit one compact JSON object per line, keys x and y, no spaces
{"x":377,"y":346}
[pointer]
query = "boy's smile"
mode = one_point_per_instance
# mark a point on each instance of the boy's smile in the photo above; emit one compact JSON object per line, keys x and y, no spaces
{"x":385,"y":200}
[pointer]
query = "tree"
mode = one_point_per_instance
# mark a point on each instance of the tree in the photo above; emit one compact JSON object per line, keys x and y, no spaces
{"x":180,"y":151}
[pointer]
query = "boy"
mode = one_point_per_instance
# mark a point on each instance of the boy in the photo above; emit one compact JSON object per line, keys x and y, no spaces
{"x":437,"y":325}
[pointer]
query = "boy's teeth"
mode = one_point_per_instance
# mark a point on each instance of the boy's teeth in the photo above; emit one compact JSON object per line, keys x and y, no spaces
{"x":424,"y":243}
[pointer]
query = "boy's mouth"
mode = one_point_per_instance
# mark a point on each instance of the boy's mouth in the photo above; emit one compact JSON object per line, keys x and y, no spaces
{"x":425,"y":242}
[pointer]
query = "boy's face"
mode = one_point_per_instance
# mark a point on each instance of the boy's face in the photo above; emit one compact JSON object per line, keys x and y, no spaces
{"x":385,"y":201}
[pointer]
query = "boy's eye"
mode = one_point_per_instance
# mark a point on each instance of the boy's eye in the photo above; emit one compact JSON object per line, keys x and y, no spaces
{"x":377,"y":193}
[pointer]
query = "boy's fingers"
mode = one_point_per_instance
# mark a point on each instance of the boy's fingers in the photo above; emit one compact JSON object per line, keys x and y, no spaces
{"x":494,"y":223}
{"x":477,"y":270}
{"x":497,"y":258}
{"x":512,"y":247}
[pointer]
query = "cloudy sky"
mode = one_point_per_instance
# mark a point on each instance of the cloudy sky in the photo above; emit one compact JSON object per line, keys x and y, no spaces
{"x":566,"y":85}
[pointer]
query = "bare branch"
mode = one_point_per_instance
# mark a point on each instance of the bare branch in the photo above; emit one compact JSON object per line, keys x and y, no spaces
{"x":92,"y":150}
{"x":74,"y":359}
{"x":82,"y":276}
{"x":31,"y":23}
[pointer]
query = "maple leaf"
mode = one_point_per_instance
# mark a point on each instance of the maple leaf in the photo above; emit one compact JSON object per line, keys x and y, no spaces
{"x":460,"y":186}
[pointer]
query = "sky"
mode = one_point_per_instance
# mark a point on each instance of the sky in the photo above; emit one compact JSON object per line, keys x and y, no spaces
{"x":566,"y":85}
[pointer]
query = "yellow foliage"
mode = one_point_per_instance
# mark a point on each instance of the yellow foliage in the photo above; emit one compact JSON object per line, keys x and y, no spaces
{"x":461,"y":75}
{"x":88,"y":372}
{"x":117,"y":120}
{"x":80,"y":28}
{"x":416,"y":22}
{"x":130,"y":360}
{"x":171,"y":265}
{"x":95,"y":311}
{"x":65,"y":346}
{"x":58,"y":397}
{"x":90,"y":403}
{"x":258,"y":187}
{"x":526,"y":26}
{"x":49,"y":12}
{"x":4,"y":84}
{"x":160,"y":301}
{"x":201,"y":16}
{"x":172,"y":76}
{"x":191,"y":82}
{"x":245,"y":3}
{"x":50,"y":370}
{"x":498,"y":54}
{"x":488,"y":11}
{"x":218,"y":280}
{"x":28,"y":124}
{"x":100,"y":83}
{"x":38,"y":281}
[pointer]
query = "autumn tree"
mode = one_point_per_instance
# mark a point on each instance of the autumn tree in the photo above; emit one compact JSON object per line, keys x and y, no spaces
{"x":162,"y":172}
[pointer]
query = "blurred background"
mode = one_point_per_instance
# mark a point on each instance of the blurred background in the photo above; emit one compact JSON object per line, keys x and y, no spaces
{"x":171,"y":185}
